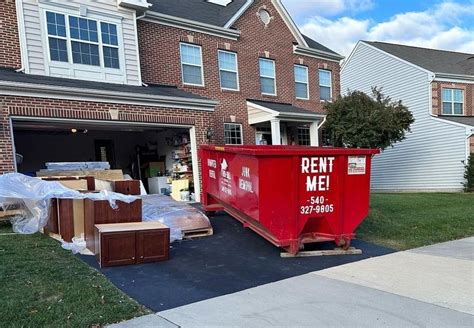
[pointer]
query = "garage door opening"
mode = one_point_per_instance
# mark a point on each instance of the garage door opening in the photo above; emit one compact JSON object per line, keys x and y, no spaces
{"x":144,"y":152}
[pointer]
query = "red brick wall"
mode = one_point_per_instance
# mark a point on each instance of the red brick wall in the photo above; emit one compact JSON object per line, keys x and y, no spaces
{"x":160,"y":62}
{"x":9,"y":41}
{"x":468,"y":96}
{"x":40,"y":107}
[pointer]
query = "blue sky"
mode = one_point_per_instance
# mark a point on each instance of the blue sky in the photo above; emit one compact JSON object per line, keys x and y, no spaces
{"x":339,"y":24}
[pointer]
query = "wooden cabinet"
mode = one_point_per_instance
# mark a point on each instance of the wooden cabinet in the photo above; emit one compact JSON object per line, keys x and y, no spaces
{"x":127,"y":187}
{"x":100,"y":212}
{"x":131,"y":243}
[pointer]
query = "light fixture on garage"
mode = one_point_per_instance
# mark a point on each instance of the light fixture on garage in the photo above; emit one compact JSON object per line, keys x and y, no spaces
{"x":209,"y":134}
{"x":74,"y":130}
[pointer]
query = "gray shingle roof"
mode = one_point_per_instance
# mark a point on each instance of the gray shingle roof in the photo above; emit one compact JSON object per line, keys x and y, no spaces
{"x":198,"y":10}
{"x":152,"y":90}
{"x":436,"y":61}
{"x":318,"y":46}
{"x":282,"y":107}
{"x":210,"y":13}
{"x":467,"y":120}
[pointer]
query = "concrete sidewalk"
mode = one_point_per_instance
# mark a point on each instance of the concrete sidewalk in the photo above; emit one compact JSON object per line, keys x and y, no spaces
{"x":430,"y":286}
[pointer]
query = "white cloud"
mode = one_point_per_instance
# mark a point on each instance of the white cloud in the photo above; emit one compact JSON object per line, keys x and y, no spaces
{"x":326,"y":8}
{"x":438,"y":27}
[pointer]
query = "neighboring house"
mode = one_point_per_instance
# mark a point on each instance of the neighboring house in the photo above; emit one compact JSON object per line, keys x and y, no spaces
{"x":130,"y":71}
{"x":437,"y":86}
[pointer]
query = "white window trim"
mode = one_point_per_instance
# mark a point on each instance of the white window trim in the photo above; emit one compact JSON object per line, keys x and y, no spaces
{"x":269,"y":77}
{"x":200,"y":66}
{"x":452,"y":102}
{"x":326,"y":86}
{"x":70,"y":65}
{"x":227,"y":70}
{"x":241,"y":133}
{"x":309,"y":134}
{"x":307,"y":81}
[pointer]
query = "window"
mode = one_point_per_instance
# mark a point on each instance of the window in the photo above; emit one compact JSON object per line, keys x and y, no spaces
{"x":110,"y":48}
{"x":57,"y":37}
{"x":81,"y":35}
{"x":301,"y":82}
{"x":233,"y":133}
{"x":228,"y":70}
{"x":325,"y":85}
{"x":453,"y":101}
{"x":303,"y":136}
{"x":191,"y":64}
{"x":267,"y":77}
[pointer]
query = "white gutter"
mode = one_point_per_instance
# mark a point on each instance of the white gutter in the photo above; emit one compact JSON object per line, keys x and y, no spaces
{"x":449,"y":76}
{"x":155,"y":17}
{"x":306,"y":51}
{"x":58,"y":92}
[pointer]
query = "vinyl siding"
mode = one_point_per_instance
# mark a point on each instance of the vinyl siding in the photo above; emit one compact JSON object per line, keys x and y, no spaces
{"x":430,"y":159}
{"x":37,"y":52}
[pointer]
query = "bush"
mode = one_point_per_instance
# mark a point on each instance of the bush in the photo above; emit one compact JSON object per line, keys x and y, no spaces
{"x":359,"y":120}
{"x":469,"y":175}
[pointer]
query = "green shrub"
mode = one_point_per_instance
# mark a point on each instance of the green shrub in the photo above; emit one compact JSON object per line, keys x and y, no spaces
{"x":469,"y":175}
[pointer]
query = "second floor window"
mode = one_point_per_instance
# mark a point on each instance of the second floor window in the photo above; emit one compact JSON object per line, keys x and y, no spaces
{"x":233,"y":133}
{"x":325,"y":85}
{"x":228,"y":71}
{"x":87,"y":41}
{"x":191,"y":64}
{"x":301,"y":82}
{"x":453,"y":101}
{"x":267,"y":77}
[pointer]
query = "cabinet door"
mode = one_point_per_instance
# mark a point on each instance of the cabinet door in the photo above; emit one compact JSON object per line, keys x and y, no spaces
{"x":118,"y":248}
{"x":153,"y":245}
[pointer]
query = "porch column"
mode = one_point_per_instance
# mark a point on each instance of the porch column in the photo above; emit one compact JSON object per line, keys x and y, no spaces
{"x":276,"y":137}
{"x":314,"y":134}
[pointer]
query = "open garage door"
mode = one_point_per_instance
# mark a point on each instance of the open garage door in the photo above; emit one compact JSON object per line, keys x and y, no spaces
{"x":141,"y":151}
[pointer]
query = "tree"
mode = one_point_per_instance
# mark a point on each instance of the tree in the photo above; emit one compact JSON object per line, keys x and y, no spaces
{"x":358,"y":120}
{"x":469,"y":174}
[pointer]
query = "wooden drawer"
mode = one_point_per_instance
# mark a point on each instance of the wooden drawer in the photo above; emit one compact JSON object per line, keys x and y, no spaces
{"x":127,"y":187}
{"x":133,"y":243}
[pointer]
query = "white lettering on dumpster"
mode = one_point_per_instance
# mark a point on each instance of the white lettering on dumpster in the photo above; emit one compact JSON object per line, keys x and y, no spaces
{"x":319,"y":169}
{"x":245,"y":185}
{"x":226,"y":178}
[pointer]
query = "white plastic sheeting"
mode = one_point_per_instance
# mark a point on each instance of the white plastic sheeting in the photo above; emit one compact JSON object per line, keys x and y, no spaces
{"x":178,"y":216}
{"x":33,"y":197}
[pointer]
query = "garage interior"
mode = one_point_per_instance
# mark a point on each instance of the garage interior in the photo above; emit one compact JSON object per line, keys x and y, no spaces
{"x":143,"y":152}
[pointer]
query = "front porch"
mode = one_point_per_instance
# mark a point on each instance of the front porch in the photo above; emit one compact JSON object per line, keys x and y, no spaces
{"x":284,"y":124}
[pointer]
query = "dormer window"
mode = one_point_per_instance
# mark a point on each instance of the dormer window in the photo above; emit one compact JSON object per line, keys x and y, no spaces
{"x":82,"y":41}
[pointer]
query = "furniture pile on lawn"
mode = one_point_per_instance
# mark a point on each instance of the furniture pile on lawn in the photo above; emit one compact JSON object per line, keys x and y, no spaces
{"x":95,"y":210}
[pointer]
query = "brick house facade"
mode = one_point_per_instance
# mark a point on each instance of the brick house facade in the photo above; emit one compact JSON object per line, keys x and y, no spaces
{"x":157,"y":61}
{"x":256,"y":41}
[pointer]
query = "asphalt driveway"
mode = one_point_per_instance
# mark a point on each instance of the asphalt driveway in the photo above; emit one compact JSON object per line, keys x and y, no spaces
{"x":232,"y":260}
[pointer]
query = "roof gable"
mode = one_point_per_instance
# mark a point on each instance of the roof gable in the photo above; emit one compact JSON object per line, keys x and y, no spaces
{"x":433,"y":60}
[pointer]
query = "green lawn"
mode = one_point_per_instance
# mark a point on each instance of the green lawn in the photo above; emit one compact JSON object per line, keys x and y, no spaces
{"x":43,"y":285}
{"x":404,"y":221}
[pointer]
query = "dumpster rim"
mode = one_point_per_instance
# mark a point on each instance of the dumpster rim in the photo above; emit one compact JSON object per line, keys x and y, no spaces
{"x":259,"y":150}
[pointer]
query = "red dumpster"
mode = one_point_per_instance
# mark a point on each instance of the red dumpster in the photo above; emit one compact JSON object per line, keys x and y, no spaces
{"x":290,"y":195}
